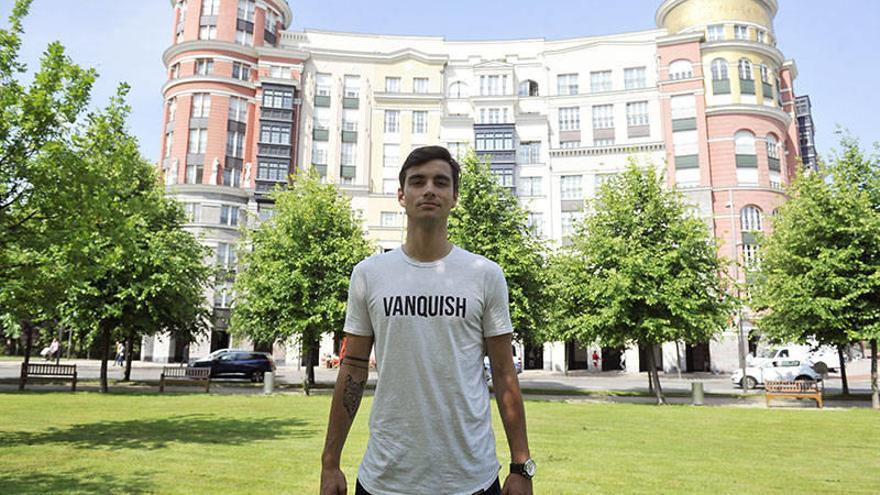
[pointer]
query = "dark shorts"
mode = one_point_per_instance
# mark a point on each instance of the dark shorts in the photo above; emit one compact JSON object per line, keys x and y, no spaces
{"x":495,"y":489}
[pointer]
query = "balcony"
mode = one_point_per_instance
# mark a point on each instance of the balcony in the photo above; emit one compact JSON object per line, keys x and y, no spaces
{"x":350,"y":103}
{"x":349,"y":136}
{"x":322,"y":101}
{"x":321,"y":134}
{"x":747,"y":86}
{"x":721,"y":87}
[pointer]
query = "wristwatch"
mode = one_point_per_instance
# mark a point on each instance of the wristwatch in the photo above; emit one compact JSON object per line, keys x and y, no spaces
{"x":526,"y":469}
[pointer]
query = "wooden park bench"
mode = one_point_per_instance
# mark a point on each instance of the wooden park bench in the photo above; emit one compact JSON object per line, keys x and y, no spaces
{"x":184,"y":374}
{"x":42,"y":370}
{"x":799,"y":389}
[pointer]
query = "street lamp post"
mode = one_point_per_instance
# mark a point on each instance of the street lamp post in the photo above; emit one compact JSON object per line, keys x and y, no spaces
{"x":734,"y":260}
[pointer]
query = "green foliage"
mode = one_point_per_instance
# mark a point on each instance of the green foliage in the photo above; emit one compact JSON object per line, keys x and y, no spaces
{"x":820,"y":269}
{"x":489,"y":221}
{"x":295,"y":267}
{"x":640,"y":269}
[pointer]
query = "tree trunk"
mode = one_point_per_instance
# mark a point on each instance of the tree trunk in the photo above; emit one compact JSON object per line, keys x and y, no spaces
{"x":60,"y":338}
{"x":843,"y":378}
{"x":105,"y":354}
{"x":875,"y":392}
{"x":655,"y":376}
{"x":309,"y":376}
{"x":128,"y":356}
{"x":29,"y":342}
{"x":678,"y":359}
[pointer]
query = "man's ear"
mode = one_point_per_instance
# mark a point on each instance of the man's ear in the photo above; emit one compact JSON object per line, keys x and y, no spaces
{"x":400,"y":198}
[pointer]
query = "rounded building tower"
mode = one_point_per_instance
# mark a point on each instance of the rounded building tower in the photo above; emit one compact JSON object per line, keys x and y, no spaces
{"x":728,"y":102}
{"x":230,"y":126}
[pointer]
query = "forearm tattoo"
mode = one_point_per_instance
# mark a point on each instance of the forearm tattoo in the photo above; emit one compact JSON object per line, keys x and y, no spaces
{"x":352,"y":394}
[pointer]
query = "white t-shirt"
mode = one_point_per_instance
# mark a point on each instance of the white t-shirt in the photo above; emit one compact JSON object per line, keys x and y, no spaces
{"x":431,"y":424}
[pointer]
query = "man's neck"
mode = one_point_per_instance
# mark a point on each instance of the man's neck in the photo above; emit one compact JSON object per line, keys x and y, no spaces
{"x":427,"y":242}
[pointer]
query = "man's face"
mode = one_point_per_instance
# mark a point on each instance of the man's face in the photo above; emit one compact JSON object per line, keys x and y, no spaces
{"x":427,"y":192}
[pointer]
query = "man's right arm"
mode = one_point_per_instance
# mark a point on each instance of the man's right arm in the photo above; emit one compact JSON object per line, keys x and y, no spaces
{"x":350,"y":384}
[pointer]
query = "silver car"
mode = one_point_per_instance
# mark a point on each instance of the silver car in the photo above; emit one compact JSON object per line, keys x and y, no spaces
{"x":777,"y":369}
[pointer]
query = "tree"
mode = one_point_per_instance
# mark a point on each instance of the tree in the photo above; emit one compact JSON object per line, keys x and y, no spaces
{"x":820,"y":270}
{"x":295,"y":268}
{"x":40,"y":185}
{"x":149,"y":274}
{"x":489,"y":221}
{"x":640,"y":269}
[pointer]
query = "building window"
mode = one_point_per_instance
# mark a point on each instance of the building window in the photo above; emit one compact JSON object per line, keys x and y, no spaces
{"x":390,"y":186}
{"x":569,"y":119}
{"x":349,"y":120}
{"x":201,"y":105}
{"x":495,"y":141}
{"x":745,"y":70}
{"x":319,"y":152}
{"x":244,"y":38}
{"x":352,"y":86}
{"x":272,"y":20}
{"x":348,"y":154}
{"x":567,"y":84}
{"x":681,"y":69}
{"x":741,"y":32}
{"x":420,"y":122}
{"x":603,"y":117}
{"x":198,"y":141}
{"x":229,"y":215}
{"x":458,"y":89}
{"x":569,"y":144}
{"x":683,"y":107}
{"x":193,"y":212}
{"x":494,"y":85}
{"x":322,"y":118}
{"x":716,"y":32}
{"x":390,"y":156}
{"x":750,"y":219}
{"x":235,"y":144}
{"x":751,"y":260}
{"x":278,"y":98}
{"x":746,"y":158}
{"x":172,"y":109}
{"x":225,"y":255}
{"x":241,"y":71}
{"x":204,"y":66}
{"x":207,"y":32}
{"x":570,"y":219}
{"x":223,"y":295}
{"x":761,"y":36}
{"x":637,"y":113}
{"x":175,"y":71}
{"x":600,"y":81}
{"x":528,"y":152}
{"x":571,"y":187}
{"x":280,"y":72}
{"x":634,"y":78}
{"x":169,"y":143}
{"x":719,"y":69}
{"x":246,"y":10}
{"x":530,"y":186}
{"x":194,"y":174}
{"x":274,"y":134}
{"x":457,"y":149}
{"x":536,"y":223}
{"x":504,"y":177}
{"x":392,"y":121}
{"x":420,"y":85}
{"x":494,"y":115}
{"x":392,"y":85}
{"x":238,"y":109}
{"x":528,"y":88}
{"x":323,"y":83}
{"x":765,"y":78}
{"x":274,"y":171}
{"x":389,"y":219}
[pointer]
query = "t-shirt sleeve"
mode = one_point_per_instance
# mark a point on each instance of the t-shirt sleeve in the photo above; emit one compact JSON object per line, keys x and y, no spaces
{"x":357,"y":316}
{"x":496,"y":312}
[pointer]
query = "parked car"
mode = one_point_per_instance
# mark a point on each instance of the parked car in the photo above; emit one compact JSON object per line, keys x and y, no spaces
{"x":820,"y":356}
{"x":777,"y":369}
{"x":234,"y":362}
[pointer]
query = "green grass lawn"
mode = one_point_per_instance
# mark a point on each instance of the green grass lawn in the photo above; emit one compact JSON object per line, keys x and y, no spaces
{"x":192,"y":444}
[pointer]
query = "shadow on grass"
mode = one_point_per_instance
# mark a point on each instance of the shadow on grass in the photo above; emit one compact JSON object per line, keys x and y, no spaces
{"x":42,"y":483}
{"x":154,"y":434}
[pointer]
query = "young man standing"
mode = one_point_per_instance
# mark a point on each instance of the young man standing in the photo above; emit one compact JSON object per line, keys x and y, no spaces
{"x":432,"y":309}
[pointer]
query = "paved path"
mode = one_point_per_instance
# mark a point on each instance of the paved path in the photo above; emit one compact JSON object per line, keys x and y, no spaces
{"x":537,"y":383}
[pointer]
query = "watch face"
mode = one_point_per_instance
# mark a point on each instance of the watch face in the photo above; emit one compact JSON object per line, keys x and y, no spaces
{"x":530,"y":467}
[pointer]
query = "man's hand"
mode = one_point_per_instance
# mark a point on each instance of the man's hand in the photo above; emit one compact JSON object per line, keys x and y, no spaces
{"x":333,"y":482}
{"x":516,"y":485}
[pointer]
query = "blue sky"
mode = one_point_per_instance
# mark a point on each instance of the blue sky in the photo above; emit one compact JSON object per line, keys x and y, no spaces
{"x":833,"y":43}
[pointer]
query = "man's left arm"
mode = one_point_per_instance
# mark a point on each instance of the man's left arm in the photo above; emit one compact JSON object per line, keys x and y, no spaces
{"x":510,"y":405}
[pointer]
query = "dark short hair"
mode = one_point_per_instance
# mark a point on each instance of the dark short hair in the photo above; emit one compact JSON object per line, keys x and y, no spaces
{"x":425,"y":154}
